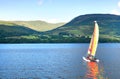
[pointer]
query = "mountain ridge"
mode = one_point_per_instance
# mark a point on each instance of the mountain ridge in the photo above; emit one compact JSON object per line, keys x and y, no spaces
{"x":104,"y":20}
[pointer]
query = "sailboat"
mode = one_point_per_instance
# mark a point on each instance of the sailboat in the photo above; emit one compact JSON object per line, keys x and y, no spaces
{"x":93,"y":45}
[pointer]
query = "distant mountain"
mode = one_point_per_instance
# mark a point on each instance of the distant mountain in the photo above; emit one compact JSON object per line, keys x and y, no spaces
{"x":40,"y":26}
{"x":18,"y":28}
{"x":23,"y":31}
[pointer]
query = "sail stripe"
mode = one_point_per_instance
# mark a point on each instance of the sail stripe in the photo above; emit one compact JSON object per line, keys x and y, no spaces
{"x":92,"y":43}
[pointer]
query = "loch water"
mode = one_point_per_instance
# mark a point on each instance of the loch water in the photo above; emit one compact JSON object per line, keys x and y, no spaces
{"x":58,"y":61}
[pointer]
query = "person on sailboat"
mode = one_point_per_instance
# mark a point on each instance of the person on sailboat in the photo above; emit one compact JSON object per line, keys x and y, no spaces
{"x":90,"y":57}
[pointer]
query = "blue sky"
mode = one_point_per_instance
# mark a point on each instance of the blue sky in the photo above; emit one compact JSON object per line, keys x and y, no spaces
{"x":55,"y":10}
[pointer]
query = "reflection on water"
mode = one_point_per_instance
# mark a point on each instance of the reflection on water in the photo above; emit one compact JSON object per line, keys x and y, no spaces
{"x":94,"y":71}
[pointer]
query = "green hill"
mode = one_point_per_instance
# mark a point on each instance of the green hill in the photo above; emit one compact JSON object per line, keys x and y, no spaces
{"x":83,"y":26}
{"x":9,"y":30}
{"x":109,"y":24}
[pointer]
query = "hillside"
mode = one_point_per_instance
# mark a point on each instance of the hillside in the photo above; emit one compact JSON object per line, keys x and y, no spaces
{"x":10,"y":29}
{"x":24,"y":31}
{"x":83,"y":26}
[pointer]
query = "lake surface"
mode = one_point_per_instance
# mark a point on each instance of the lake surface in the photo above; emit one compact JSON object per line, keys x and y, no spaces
{"x":58,"y":61}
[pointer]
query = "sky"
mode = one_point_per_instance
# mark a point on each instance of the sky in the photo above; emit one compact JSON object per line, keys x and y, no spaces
{"x":55,"y":11}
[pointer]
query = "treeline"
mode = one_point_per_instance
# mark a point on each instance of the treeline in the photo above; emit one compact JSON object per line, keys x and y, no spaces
{"x":45,"y":39}
{"x":54,"y":39}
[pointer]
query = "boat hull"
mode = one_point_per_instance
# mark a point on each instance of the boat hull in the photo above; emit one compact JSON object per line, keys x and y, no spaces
{"x":88,"y":60}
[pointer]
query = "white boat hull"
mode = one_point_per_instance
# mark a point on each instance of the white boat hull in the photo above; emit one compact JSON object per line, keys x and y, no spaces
{"x":84,"y":58}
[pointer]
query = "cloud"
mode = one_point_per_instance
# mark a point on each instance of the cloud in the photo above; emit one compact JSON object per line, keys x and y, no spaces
{"x":115,"y":11}
{"x":119,"y":4}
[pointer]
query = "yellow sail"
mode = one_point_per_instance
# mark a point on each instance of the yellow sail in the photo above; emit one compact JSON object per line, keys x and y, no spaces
{"x":94,"y":41}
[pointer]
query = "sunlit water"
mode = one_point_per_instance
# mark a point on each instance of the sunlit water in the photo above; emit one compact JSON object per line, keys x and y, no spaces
{"x":58,"y":61}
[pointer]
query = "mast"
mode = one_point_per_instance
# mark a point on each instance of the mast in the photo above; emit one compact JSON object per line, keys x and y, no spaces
{"x":94,"y":41}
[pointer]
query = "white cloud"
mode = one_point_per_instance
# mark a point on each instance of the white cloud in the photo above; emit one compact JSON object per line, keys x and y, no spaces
{"x":119,"y":4}
{"x":116,"y":12}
